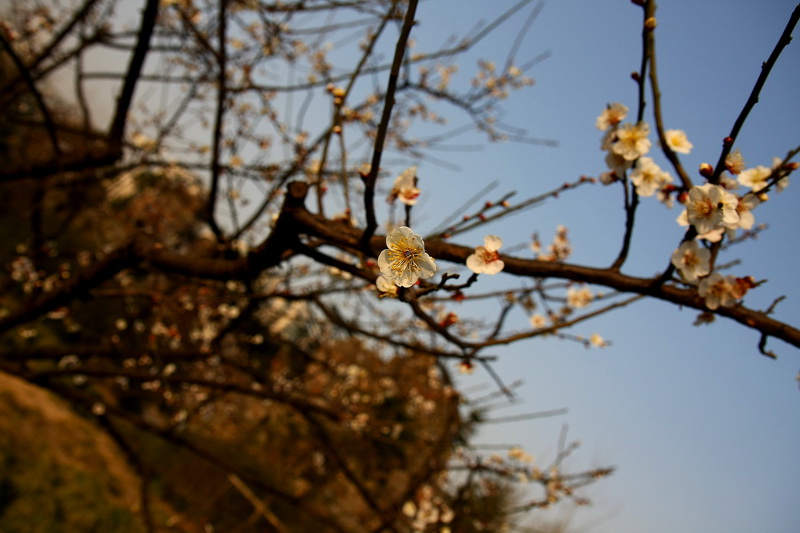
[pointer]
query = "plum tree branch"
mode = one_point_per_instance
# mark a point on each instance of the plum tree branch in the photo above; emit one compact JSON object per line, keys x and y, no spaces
{"x":752,"y":100}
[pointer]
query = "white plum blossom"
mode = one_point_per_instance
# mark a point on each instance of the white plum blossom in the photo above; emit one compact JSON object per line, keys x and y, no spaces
{"x":631,"y":141}
{"x":727,"y":182}
{"x":405,"y":261}
{"x":746,"y":204}
{"x":143,"y":142}
{"x":709,"y":206}
{"x":734,"y":162}
{"x":755,"y":178}
{"x":617,"y":166}
{"x":538,"y":321}
{"x":466,"y":367}
{"x":782,"y":183}
{"x":692,"y":261}
{"x":648,"y":177}
{"x":579,"y":297}
{"x":718,"y":290}
{"x":597,"y":341}
{"x":677,"y":141}
{"x":405,"y":187}
{"x":486,"y":260}
{"x":612,"y":115}
{"x":386,"y":287}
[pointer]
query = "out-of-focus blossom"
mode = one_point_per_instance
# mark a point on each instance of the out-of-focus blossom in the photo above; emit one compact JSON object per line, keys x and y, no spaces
{"x":631,"y":141}
{"x":709,"y":206}
{"x":405,"y":187}
{"x":734,"y":162}
{"x":579,"y":297}
{"x":648,"y":177}
{"x":386,"y":287}
{"x":486,"y":260}
{"x":755,"y":178}
{"x":677,"y":141}
{"x":612,"y":115}
{"x":692,"y":261}
{"x":718,"y":290}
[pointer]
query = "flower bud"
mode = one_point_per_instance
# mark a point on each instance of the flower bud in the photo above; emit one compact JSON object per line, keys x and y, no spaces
{"x":706,"y":170}
{"x":650,"y":24}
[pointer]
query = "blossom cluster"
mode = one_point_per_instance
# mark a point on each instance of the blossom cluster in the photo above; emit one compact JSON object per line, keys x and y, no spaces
{"x":713,"y":210}
{"x":626,"y":146}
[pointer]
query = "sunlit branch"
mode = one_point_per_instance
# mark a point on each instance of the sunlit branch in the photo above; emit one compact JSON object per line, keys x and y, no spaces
{"x":533,"y":268}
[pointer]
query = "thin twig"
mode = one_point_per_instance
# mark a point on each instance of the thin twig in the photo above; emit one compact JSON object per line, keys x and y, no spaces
{"x":766,"y":67}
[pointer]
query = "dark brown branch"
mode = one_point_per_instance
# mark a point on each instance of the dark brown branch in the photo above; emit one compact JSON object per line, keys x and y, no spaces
{"x":125,"y":99}
{"x":76,"y":286}
{"x":25,"y":74}
{"x":221,"y":105}
{"x":383,"y":127}
{"x":533,"y":268}
{"x":659,"y":121}
{"x":47,"y":52}
{"x":766,"y":67}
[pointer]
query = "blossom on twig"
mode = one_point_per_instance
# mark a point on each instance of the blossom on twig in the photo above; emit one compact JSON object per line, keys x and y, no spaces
{"x":612,"y":115}
{"x":709,"y":206}
{"x":648,"y":177}
{"x":631,"y":141}
{"x":677,"y":141}
{"x":486,"y":260}
{"x":405,"y":187}
{"x":692,"y":261}
{"x":405,"y":261}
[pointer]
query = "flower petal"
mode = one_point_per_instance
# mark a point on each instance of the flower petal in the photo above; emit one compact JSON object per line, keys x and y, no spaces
{"x":398,"y":235}
{"x":427,"y":266}
{"x":494,"y":267}
{"x":475,"y":263}
{"x":383,"y":264}
{"x":492,"y":243}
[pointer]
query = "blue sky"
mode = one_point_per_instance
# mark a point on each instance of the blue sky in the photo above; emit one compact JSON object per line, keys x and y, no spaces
{"x":703,"y":429}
